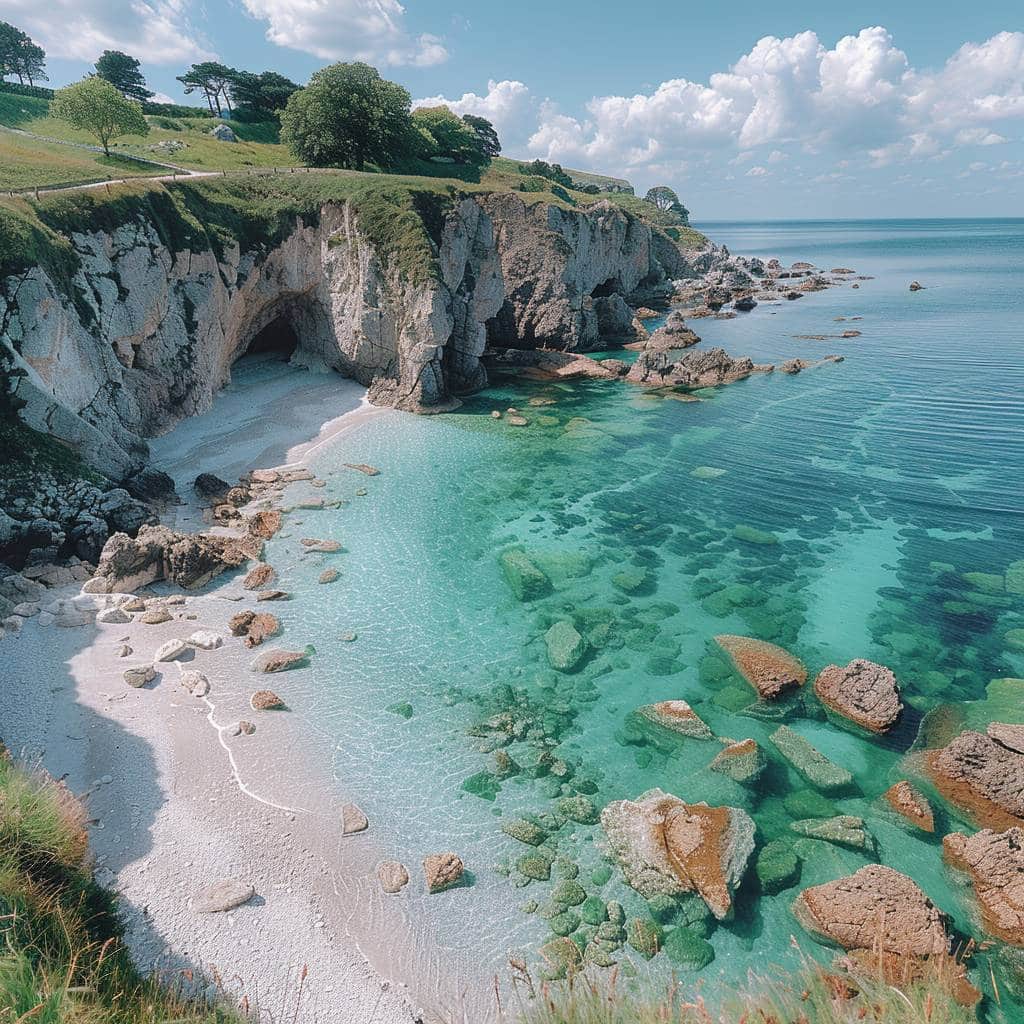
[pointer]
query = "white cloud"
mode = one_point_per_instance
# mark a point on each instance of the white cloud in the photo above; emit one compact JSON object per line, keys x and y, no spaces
{"x":757,"y":172}
{"x":508,"y":105}
{"x":369,"y":30}
{"x":155,"y":31}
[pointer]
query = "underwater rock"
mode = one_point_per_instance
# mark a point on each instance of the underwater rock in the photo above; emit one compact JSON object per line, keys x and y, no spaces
{"x":909,"y":802}
{"x":578,"y":808}
{"x":982,"y":776}
{"x":279,"y":660}
{"x":865,"y":693}
{"x":874,"y":908}
{"x":255,"y":627}
{"x":566,"y":647}
{"x":769,"y":669}
{"x":266,"y":700}
{"x":353,"y":820}
{"x":687,"y":949}
{"x":1013,"y":580}
{"x":561,"y":956}
{"x":536,"y":865}
{"x":665,"y":846}
{"x":393,"y":876}
{"x":328,"y":576}
{"x":842,"y":830}
{"x":631,"y":579}
{"x":707,"y":473}
{"x":777,"y":866}
{"x":742,"y":761}
{"x":645,"y":936}
{"x":441,"y":870}
{"x":525,"y":831}
{"x":323,"y":547}
{"x":525,"y":580}
{"x":677,"y":716}
{"x":810,"y":762}
{"x":995,"y":863}
{"x":751,"y":535}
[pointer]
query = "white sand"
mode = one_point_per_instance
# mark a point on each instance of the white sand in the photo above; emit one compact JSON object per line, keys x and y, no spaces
{"x":178,"y":801}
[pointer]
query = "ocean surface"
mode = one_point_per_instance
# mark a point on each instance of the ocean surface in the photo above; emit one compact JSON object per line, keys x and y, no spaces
{"x":872,"y":486}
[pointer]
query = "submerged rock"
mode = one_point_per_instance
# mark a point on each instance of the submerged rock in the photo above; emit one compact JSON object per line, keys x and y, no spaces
{"x":995,"y":863}
{"x":393,"y":876}
{"x":676,"y":716}
{"x":526,"y":581}
{"x":769,"y":669}
{"x":863,"y":692}
{"x":665,"y":846}
{"x":909,"y":802}
{"x":266,"y":700}
{"x":777,"y":866}
{"x":566,"y":648}
{"x":441,"y":870}
{"x":842,"y":830}
{"x":743,"y":762}
{"x":353,"y":820}
{"x":810,"y":762}
{"x":278,"y":660}
{"x":686,"y":949}
{"x":982,"y":776}
{"x":258,"y":577}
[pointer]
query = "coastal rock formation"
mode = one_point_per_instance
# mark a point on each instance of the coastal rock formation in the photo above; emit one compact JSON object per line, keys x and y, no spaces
{"x":701,"y":369}
{"x":908,"y":801}
{"x":674,"y":335}
{"x":982,"y":776}
{"x":863,"y":692}
{"x":995,"y":863}
{"x":668,"y":847}
{"x":769,"y":669}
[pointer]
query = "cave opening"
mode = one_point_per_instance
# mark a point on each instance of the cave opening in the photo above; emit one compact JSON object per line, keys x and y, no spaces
{"x":277,"y":338}
{"x":610,"y":287}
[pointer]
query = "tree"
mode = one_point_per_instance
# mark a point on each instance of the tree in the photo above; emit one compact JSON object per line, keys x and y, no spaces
{"x":215,"y":82}
{"x":122,"y":72}
{"x":665,"y":199}
{"x":485,"y":132}
{"x":97,"y":107}
{"x":346,"y":116}
{"x":453,"y":139}
{"x":553,"y":172}
{"x":265,"y":94}
{"x":20,"y":56}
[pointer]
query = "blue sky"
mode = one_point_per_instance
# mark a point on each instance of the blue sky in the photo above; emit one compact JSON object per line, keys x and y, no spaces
{"x":774,"y":109}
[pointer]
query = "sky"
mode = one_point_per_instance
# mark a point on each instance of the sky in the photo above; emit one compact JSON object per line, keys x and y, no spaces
{"x":760,"y":110}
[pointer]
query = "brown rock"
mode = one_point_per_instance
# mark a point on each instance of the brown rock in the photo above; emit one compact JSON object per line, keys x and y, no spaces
{"x":278,"y":660}
{"x":266,"y":700}
{"x":272,"y":595}
{"x":328,"y":576}
{"x":325,"y":546}
{"x":393,"y":876}
{"x":254,"y":626}
{"x":1009,"y":736}
{"x":863,"y":692}
{"x":995,"y":863}
{"x":155,"y":616}
{"x":982,"y":776}
{"x":442,"y":870}
{"x":677,"y":716}
{"x":258,"y":577}
{"x":876,"y":908}
{"x":770,"y":670}
{"x":265,"y":524}
{"x":353,"y":820}
{"x":904,"y":799}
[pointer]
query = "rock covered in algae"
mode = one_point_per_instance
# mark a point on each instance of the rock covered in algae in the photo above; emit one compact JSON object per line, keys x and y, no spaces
{"x":579,"y":808}
{"x":566,"y":647}
{"x":676,"y":716}
{"x":525,"y":580}
{"x":645,"y":936}
{"x":810,"y":762}
{"x":665,"y":846}
{"x":742,"y":761}
{"x":687,"y":949}
{"x":983,"y":776}
{"x":875,"y":908}
{"x":777,"y":866}
{"x":908,"y":801}
{"x":525,"y":831}
{"x":561,"y":957}
{"x":863,"y":692}
{"x":769,"y":669}
{"x":995,"y":863}
{"x":842,"y":830}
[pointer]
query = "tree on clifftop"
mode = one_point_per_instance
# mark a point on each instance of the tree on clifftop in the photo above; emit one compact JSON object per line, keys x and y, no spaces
{"x":214,"y":80}
{"x":348,"y":116}
{"x":20,"y":56}
{"x":264,"y":95}
{"x":95,"y":106}
{"x":485,"y":132}
{"x":122,"y":72}
{"x":453,"y":139}
{"x":665,"y":199}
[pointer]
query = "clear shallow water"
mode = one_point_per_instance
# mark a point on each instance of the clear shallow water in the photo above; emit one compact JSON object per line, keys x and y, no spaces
{"x":867,"y":474}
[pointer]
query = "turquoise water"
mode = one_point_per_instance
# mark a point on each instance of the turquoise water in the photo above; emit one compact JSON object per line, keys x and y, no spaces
{"x":881,"y":480}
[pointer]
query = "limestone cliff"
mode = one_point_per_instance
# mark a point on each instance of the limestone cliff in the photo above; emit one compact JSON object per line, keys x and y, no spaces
{"x":147,"y":332}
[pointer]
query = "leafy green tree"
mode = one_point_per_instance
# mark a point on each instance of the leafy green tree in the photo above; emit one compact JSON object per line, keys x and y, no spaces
{"x":453,"y":138}
{"x":553,"y":172}
{"x":485,"y":132}
{"x":264,"y":94}
{"x":20,"y":56}
{"x":122,"y":72}
{"x":95,"y":106}
{"x":665,"y":198}
{"x":348,"y":116}
{"x":214,"y":81}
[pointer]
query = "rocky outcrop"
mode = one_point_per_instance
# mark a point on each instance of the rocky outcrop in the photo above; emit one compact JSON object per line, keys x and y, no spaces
{"x":995,"y":863}
{"x":982,"y":776}
{"x":702,"y":369}
{"x":769,"y":669}
{"x":675,"y":334}
{"x":861,"y":692}
{"x":667,"y":847}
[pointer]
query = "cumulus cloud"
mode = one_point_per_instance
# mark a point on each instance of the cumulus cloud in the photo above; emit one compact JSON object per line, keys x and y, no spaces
{"x":757,"y":172}
{"x":508,"y":105}
{"x":859,"y":98}
{"x":369,"y":30}
{"x":157,"y":31}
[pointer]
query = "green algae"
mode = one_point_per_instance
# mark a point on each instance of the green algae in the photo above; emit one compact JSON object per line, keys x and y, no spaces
{"x":687,"y":949}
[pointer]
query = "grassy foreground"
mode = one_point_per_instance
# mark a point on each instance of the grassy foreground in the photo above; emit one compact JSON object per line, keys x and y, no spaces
{"x":62,"y":960}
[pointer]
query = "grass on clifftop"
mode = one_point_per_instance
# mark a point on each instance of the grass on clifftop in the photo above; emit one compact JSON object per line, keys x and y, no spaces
{"x":61,"y":956}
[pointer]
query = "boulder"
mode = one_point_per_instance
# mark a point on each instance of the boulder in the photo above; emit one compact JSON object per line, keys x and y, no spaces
{"x":279,"y":660}
{"x":258,"y":577}
{"x":909,"y":802}
{"x":745,"y":303}
{"x":109,"y":615}
{"x":863,"y":692}
{"x":777,"y":866}
{"x":566,"y":648}
{"x":195,"y":682}
{"x":266,"y":700}
{"x":982,"y":776}
{"x":743,"y":762}
{"x":223,"y":895}
{"x":155,"y":616}
{"x":255,"y":627}
{"x":875,"y":908}
{"x":393,"y":876}
{"x":842,"y":830}
{"x":264,"y":524}
{"x":353,"y":820}
{"x":769,"y":669}
{"x":525,"y":580}
{"x":223,"y":133}
{"x":211,"y":488}
{"x":138,"y":675}
{"x":171,"y":650}
{"x":809,"y":762}
{"x":328,"y":576}
{"x":995,"y":863}
{"x":677,"y":717}
{"x":441,"y":870}
{"x":667,"y":847}
{"x":206,"y":639}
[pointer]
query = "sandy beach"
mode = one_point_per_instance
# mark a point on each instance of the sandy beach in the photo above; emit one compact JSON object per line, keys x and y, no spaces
{"x":178,"y":799}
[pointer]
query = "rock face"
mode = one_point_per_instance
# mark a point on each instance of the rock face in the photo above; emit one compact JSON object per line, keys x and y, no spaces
{"x":675,"y":334}
{"x":983,"y":776}
{"x":863,"y":692}
{"x":876,"y":908}
{"x":995,"y":863}
{"x":667,"y":847}
{"x":770,"y":670}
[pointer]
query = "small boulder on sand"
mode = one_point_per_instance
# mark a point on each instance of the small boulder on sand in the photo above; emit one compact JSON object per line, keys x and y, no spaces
{"x":265,"y":524}
{"x":393,"y":876}
{"x":266,"y":700}
{"x":353,"y":820}
{"x":171,"y":650}
{"x":258,"y":576}
{"x":138,"y":675}
{"x":279,"y":660}
{"x":223,"y":895}
{"x":195,"y":682}
{"x":155,"y":616}
{"x":255,"y":627}
{"x":206,"y":640}
{"x":441,"y":870}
